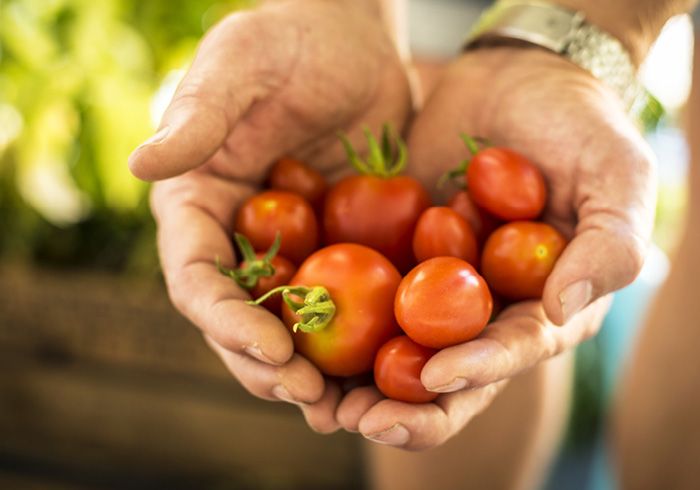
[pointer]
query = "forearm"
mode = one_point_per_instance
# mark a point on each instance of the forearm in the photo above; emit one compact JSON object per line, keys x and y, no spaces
{"x":636,"y":23}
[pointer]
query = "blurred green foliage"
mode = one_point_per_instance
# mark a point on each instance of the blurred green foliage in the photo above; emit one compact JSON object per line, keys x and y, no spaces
{"x":77,"y":85}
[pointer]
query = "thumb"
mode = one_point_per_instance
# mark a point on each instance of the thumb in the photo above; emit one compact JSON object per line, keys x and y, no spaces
{"x":216,"y":92}
{"x":615,"y":210}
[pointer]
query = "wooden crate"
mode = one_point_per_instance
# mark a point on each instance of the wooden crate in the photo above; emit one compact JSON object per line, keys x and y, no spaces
{"x":104,"y":385}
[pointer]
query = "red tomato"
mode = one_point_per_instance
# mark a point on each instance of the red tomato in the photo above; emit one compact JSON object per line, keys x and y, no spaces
{"x":506,"y":184}
{"x":441,"y":232}
{"x":481,"y":222}
{"x":362,"y":284}
{"x":295,"y":176}
{"x":378,"y":212}
{"x":397,"y":370}
{"x":264,"y":214}
{"x":443,"y":302}
{"x":518,"y":257}
{"x":284,"y":270}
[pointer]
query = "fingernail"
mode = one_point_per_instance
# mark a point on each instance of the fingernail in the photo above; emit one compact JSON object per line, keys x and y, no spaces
{"x":396,"y":435}
{"x":256,"y":353}
{"x":454,"y":385}
{"x":156,"y":138}
{"x":575,"y":297}
{"x":283,"y":394}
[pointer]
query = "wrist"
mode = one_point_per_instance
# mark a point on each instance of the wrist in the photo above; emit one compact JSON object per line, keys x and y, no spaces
{"x":635,"y":23}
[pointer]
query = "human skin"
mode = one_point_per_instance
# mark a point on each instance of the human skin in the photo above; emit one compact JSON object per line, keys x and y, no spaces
{"x":281,"y":80}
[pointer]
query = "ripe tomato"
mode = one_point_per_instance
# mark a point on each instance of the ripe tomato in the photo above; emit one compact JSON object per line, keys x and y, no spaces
{"x":362,"y":284}
{"x":378,"y":212}
{"x":295,"y":176}
{"x":441,"y":232}
{"x":397,"y":370}
{"x":518,"y":257}
{"x":265,"y":214}
{"x":506,"y":184}
{"x":443,"y":302}
{"x":284,"y":270}
{"x":481,"y":222}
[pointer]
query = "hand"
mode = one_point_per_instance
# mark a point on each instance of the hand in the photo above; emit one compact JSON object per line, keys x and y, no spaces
{"x":279,"y":80}
{"x":601,"y":184}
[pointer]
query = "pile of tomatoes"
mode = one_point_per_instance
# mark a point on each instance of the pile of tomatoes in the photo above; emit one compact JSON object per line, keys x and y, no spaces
{"x":368,"y":275}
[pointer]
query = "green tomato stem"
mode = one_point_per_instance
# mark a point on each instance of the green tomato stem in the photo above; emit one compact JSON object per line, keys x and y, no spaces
{"x":248,"y":275}
{"x":386,"y":158}
{"x":316,"y":310}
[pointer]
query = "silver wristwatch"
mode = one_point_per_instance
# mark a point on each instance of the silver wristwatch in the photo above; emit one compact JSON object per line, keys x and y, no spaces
{"x":565,"y":32}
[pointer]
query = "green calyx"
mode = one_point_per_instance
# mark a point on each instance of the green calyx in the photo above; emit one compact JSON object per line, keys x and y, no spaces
{"x":252,"y":268}
{"x":316,"y":310}
{"x":474,"y":145}
{"x":385,"y":159}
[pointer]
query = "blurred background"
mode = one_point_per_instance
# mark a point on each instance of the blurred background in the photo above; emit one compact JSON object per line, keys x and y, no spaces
{"x":102,"y":384}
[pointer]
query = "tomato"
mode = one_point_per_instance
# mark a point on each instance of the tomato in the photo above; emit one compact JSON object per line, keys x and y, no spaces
{"x":265,"y":214}
{"x":518,"y":257}
{"x":295,"y":176}
{"x":506,"y":184}
{"x":441,"y":232}
{"x":362,"y":284}
{"x":443,"y":302}
{"x":378,"y":208}
{"x":397,"y":370}
{"x":284,"y":271}
{"x":481,"y":222}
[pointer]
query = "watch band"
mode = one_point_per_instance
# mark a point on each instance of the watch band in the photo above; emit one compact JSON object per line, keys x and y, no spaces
{"x":567,"y":33}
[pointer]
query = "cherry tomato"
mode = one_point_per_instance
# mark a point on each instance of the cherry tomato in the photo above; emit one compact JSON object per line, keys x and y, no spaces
{"x":397,"y":370}
{"x":362,"y":284}
{"x":378,"y":212}
{"x":284,"y":270}
{"x":295,"y":176}
{"x":265,"y":214}
{"x":443,"y":302}
{"x":441,"y":232}
{"x":518,"y":257}
{"x":506,"y":184}
{"x":481,"y":222}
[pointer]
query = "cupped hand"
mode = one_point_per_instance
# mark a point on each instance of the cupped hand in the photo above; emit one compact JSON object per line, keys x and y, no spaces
{"x":275,"y":81}
{"x":602,"y":194}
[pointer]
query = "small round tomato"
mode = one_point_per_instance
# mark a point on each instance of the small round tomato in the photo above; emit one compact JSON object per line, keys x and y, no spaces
{"x":362,"y":284}
{"x":397,"y":370}
{"x":263,"y":215}
{"x":506,"y":184}
{"x":518,"y":257}
{"x":284,"y":270}
{"x":443,"y":302}
{"x":481,"y":222}
{"x":295,"y":176}
{"x":441,"y":232}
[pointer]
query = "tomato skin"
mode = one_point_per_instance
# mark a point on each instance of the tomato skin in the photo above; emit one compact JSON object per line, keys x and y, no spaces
{"x":442,"y":302}
{"x":362,"y":284}
{"x":481,"y":222}
{"x":506,"y":184}
{"x":519,"y":256}
{"x":289,"y":174}
{"x":441,"y":232}
{"x":378,"y":212}
{"x":284,"y":271}
{"x":397,"y":370}
{"x":263,"y":215}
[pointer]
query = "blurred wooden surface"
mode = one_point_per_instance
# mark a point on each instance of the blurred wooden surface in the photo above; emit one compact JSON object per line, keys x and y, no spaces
{"x":104,"y":385}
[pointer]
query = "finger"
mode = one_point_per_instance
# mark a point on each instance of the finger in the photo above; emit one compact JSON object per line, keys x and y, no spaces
{"x":193,"y":212}
{"x":355,"y":404}
{"x":232,"y":69}
{"x":615,"y":217}
{"x":422,"y":426}
{"x":297,"y":381}
{"x":321,"y":415}
{"x":521,"y":337}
